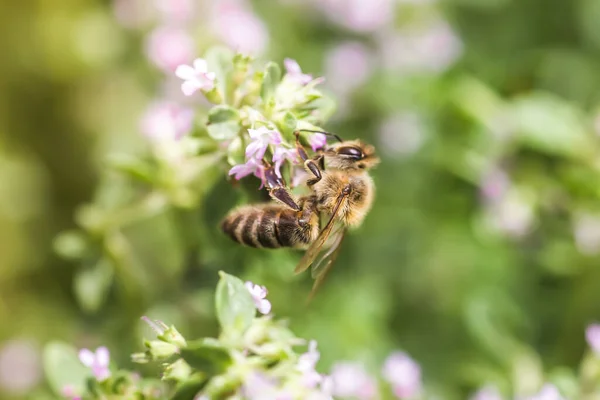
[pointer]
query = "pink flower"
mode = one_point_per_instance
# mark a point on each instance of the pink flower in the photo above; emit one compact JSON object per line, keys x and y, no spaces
{"x":258,"y":386}
{"x":351,"y":380}
{"x":487,"y":393}
{"x":239,"y":27}
{"x":196,"y":77}
{"x":404,"y":374}
{"x":69,"y":392}
{"x":281,"y":154}
{"x":359,"y":15}
{"x":166,"y":121}
{"x":252,"y":166}
{"x":307,"y":363}
{"x":294,"y":72}
{"x":348,"y":66}
{"x":592,"y":335}
{"x":168,"y":47}
{"x":20,"y":366}
{"x":317,"y":141}
{"x":97,"y":361}
{"x":547,"y":392}
{"x":494,"y":184}
{"x":259,"y":294}
{"x":261,"y":139}
{"x":176,"y":10}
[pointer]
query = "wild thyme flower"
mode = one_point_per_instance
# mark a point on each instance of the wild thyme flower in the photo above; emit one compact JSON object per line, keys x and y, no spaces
{"x":259,"y":294}
{"x":592,"y":335}
{"x":404,"y":374}
{"x":487,"y":393}
{"x":166,"y":121}
{"x":168,"y":47}
{"x":281,"y":155}
{"x":251,"y":167}
{"x":196,"y":77}
{"x":294,"y":72}
{"x":261,"y":139}
{"x":317,"y":141}
{"x":547,"y":392}
{"x":307,"y":363}
{"x":351,"y":380}
{"x":98,"y":362}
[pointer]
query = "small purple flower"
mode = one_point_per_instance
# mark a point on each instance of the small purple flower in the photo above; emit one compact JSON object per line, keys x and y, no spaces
{"x":547,"y":392}
{"x":166,"y":121}
{"x":97,"y":361}
{"x":168,"y":47}
{"x":281,"y":154}
{"x":252,"y":166}
{"x":317,"y":141}
{"x":592,"y":335}
{"x":487,"y":393}
{"x":259,"y":294}
{"x":258,"y":386}
{"x":239,"y":27}
{"x":351,"y":380}
{"x":404,"y":374}
{"x":196,"y":77}
{"x":307,"y":363}
{"x":261,"y":139}
{"x":69,"y":392}
{"x":348,"y":66}
{"x":294,"y":72}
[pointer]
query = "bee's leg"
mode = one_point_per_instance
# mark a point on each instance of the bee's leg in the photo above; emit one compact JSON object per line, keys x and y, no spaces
{"x":278,"y":191}
{"x":311,"y":165}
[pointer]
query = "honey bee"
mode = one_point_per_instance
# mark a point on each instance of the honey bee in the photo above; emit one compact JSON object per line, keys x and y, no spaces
{"x":340,"y":189}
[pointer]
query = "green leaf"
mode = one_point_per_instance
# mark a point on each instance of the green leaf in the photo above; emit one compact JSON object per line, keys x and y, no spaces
{"x":223,"y":122}
{"x":287,"y":125}
{"x":190,"y":388}
{"x":219,"y":60}
{"x":548,"y":124}
{"x":235,"y":152}
{"x":272,"y":77}
{"x":91,"y":285}
{"x":62,"y":367}
{"x":207,"y":355}
{"x":235,"y":307}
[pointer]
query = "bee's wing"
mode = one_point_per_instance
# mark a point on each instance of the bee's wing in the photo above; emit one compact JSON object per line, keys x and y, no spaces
{"x":334,"y":242}
{"x":324,"y":265}
{"x":315,"y":248}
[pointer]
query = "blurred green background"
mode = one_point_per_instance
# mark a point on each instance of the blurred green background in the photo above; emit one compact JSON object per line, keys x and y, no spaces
{"x":479,"y":258}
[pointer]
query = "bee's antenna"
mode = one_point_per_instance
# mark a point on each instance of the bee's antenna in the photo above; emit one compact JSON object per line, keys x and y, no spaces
{"x":339,"y":139}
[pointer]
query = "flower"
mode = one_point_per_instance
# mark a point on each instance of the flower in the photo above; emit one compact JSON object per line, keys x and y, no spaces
{"x":306,"y":365}
{"x":252,"y":166}
{"x":196,"y":77}
{"x":351,"y":380}
{"x":359,"y":15}
{"x":281,"y":154}
{"x":20,"y":366}
{"x":294,"y":72}
{"x":487,"y":393}
{"x":168,"y":47}
{"x":592,"y":335}
{"x":317,"y":141}
{"x":403,"y":373}
{"x":164,"y":120}
{"x":69,"y":392}
{"x":348,"y":66}
{"x":547,"y":392}
{"x":97,"y":361}
{"x":261,"y":139}
{"x":258,"y":295}
{"x":239,"y":27}
{"x":258,"y":386}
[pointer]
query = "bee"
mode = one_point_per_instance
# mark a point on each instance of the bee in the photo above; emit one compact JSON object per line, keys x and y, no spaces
{"x":340,"y":191}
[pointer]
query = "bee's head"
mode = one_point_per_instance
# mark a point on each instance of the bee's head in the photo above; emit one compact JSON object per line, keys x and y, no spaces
{"x":351,"y":154}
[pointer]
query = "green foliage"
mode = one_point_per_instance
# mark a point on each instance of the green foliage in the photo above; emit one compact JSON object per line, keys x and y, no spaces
{"x":235,"y":307}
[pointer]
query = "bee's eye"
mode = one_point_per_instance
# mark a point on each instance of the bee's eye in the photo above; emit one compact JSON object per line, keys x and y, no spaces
{"x":352,"y":152}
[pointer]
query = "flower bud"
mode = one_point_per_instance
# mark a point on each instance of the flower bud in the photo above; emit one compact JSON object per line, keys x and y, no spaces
{"x":214,"y":95}
{"x":178,"y":371}
{"x":159,"y":349}
{"x":172,"y":336}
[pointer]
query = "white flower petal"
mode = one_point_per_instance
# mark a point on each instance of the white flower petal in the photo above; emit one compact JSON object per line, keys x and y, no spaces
{"x":264,"y":306}
{"x":102,"y":356}
{"x":200,"y":65}
{"x":185,"y":72}
{"x":86,"y":357}
{"x":189,"y":87}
